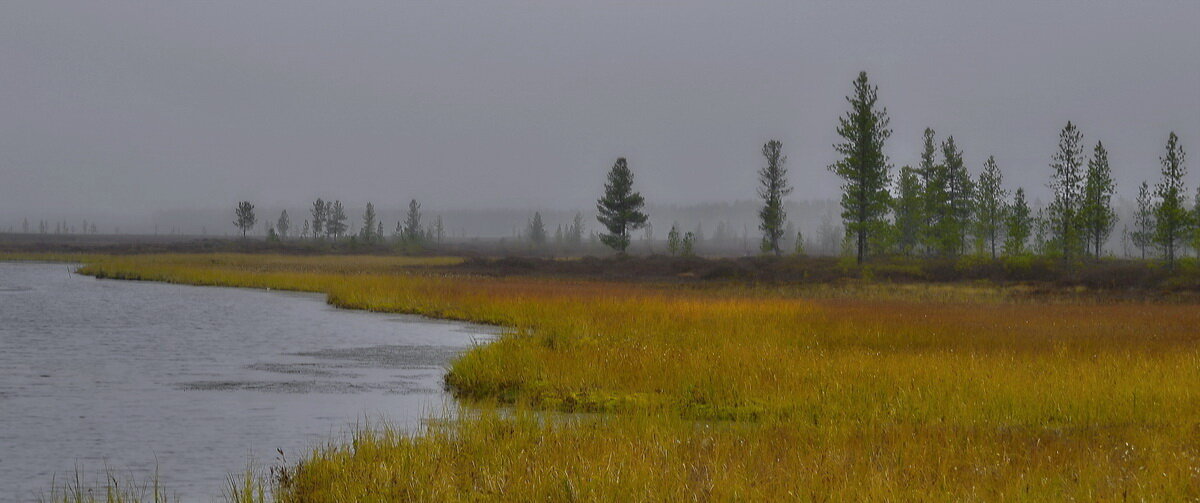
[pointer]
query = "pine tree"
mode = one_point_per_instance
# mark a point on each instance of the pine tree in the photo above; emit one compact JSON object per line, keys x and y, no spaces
{"x":620,"y":208}
{"x":305,"y":231}
{"x":335,"y":220}
{"x":1018,"y":224}
{"x":1067,"y":185}
{"x":934,"y":194}
{"x":773,"y":187}
{"x":989,"y":205}
{"x":1096,"y":214}
{"x":439,"y":230}
{"x":960,"y":193}
{"x":283,"y":225}
{"x":1171,"y":218}
{"x":536,"y":230}
{"x":369,"y":221}
{"x":1143,"y":220}
{"x":319,"y":211}
{"x":908,"y":209}
{"x":799,"y":248}
{"x":863,"y":167}
{"x":245,"y":217}
{"x":412,"y":223}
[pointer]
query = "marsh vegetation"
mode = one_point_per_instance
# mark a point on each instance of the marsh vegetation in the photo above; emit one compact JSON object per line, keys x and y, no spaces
{"x":732,"y":390}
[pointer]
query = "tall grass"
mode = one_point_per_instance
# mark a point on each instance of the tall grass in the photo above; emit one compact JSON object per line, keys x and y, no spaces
{"x":738,"y":392}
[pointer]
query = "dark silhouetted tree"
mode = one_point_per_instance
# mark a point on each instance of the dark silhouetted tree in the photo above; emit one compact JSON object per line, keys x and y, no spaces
{"x":1067,"y":184}
{"x":772,"y":188}
{"x":863,"y":167}
{"x":1018,"y":224}
{"x":1096,"y":215}
{"x":412,"y":223}
{"x":245,"y":217}
{"x":620,"y":208}
{"x":1171,"y":217}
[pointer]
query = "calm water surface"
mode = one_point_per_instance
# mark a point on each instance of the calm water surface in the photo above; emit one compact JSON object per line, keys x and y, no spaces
{"x":195,"y":380}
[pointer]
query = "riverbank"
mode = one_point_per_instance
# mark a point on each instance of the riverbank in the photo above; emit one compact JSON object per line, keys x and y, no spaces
{"x":935,"y":392}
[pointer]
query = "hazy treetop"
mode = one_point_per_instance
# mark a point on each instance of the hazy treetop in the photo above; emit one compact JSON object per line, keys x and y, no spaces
{"x":133,"y":106}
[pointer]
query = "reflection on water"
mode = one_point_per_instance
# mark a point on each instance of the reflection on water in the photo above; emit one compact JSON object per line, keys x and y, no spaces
{"x":196,"y":380}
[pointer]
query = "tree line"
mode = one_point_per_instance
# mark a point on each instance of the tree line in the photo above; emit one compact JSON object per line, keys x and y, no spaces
{"x":935,"y":209}
{"x":938,"y":209}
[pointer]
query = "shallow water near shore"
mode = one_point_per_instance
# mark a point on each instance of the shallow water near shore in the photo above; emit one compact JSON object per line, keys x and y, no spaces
{"x":195,"y":381}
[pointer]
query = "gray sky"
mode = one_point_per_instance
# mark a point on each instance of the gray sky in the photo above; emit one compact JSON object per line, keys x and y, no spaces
{"x":134,"y":107}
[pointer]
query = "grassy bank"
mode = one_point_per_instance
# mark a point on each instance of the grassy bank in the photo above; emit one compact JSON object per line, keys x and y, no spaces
{"x":728,"y":391}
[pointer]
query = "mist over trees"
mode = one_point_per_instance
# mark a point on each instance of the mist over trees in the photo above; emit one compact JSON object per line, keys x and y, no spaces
{"x":933,"y":209}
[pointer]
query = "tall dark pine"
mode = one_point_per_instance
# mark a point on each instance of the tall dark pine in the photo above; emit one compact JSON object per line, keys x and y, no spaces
{"x":1096,"y":214}
{"x":773,"y":186}
{"x":1067,"y":184}
{"x":1171,"y":216}
{"x":863,"y":167}
{"x":620,"y":208}
{"x":245,"y":217}
{"x":959,"y":198}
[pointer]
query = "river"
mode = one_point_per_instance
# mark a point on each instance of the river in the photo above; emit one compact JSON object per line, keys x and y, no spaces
{"x":195,"y":381}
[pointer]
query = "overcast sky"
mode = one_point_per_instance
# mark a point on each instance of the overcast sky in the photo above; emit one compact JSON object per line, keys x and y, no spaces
{"x":139,"y":106}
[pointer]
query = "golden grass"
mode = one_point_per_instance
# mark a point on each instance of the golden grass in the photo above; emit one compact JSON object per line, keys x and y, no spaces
{"x":729,"y":392}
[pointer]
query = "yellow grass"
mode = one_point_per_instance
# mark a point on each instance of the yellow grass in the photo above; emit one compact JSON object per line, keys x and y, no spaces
{"x":725,"y":392}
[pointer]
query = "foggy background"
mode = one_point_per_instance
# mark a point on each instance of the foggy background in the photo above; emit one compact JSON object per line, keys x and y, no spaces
{"x":160,"y":116}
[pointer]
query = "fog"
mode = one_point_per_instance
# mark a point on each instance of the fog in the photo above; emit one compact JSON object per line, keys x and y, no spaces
{"x":129,"y":112}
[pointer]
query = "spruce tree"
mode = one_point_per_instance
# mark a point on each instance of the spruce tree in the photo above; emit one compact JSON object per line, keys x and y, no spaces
{"x":319,"y":211}
{"x":863,"y":167}
{"x":1067,"y":184}
{"x":1143,"y":220}
{"x":908,"y":208}
{"x":620,"y":207}
{"x":960,"y":194}
{"x":1171,"y":217}
{"x":335,"y":220}
{"x":989,"y":205}
{"x":1096,"y":214}
{"x":772,"y":187}
{"x":934,"y":195}
{"x":1018,"y":224}
{"x":536,"y":230}
{"x":368,"y":230}
{"x":412,"y":223}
